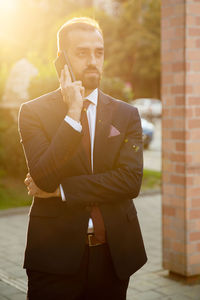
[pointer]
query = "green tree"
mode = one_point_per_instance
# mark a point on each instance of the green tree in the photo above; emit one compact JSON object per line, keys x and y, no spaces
{"x":132,"y":43}
{"x":136,"y":48}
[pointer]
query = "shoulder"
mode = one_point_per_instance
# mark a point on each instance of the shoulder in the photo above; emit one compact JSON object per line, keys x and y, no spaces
{"x":120,"y":105}
{"x":41,"y":101}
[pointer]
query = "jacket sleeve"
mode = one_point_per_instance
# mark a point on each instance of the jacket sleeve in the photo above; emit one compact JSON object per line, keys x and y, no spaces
{"x":45,"y":157}
{"x":121,"y":183}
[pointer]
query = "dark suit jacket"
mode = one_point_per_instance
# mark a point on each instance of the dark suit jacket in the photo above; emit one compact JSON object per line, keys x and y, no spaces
{"x":54,"y":154}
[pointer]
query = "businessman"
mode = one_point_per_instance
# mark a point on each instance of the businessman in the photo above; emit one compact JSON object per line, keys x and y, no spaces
{"x":84,"y":155}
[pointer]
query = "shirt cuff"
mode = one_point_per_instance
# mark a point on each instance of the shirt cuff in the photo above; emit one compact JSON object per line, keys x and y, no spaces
{"x":62,"y":193}
{"x":76,"y":125}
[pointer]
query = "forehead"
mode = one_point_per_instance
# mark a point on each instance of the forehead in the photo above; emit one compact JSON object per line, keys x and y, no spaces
{"x":78,"y":38}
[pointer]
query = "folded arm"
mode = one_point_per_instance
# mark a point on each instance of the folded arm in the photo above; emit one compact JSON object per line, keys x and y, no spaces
{"x":45,"y":162}
{"x":45,"y":158}
{"x":122,"y":182}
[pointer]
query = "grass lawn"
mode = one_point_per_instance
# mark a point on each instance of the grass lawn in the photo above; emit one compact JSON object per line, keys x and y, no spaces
{"x":151,"y":180}
{"x":13,"y":192}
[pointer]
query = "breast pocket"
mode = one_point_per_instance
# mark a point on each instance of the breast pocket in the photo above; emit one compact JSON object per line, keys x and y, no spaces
{"x":117,"y":138}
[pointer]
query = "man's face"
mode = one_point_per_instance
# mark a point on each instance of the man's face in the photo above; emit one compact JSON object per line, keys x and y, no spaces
{"x":86,"y":55}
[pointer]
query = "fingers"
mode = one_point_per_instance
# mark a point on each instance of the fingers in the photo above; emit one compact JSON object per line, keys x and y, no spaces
{"x":32,"y":190}
{"x":72,"y":92}
{"x":65,"y":77}
{"x":28,"y":179}
{"x":67,"y":74}
{"x":61,"y":79}
{"x":66,"y":80}
{"x":65,"y":84}
{"x":31,"y":186}
{"x":82,"y":90}
{"x":30,"y":193}
{"x":78,"y":83}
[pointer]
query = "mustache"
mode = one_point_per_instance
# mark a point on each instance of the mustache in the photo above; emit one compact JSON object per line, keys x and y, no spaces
{"x":91,"y":69}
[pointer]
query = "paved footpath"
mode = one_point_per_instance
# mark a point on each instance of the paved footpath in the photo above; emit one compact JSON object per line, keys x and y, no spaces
{"x":150,"y":283}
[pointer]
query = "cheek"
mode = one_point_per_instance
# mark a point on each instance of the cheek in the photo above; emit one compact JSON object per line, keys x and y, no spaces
{"x":100,"y":63}
{"x":78,"y":68}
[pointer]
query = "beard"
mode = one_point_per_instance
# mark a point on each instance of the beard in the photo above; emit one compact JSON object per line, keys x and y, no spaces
{"x":90,"y":78}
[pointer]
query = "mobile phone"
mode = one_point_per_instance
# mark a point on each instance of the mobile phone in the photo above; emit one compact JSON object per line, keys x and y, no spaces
{"x":62,"y":60}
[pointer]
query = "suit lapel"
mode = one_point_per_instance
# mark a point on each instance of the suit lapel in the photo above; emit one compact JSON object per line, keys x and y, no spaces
{"x":103,"y":122}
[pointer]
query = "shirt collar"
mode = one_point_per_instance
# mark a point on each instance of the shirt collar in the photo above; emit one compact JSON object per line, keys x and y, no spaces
{"x":93,"y":96}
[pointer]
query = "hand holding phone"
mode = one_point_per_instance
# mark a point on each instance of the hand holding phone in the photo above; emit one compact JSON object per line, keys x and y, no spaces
{"x":72,"y":90}
{"x":60,"y":62}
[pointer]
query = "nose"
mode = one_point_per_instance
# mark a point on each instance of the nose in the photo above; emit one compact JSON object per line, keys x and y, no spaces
{"x":92,"y":59}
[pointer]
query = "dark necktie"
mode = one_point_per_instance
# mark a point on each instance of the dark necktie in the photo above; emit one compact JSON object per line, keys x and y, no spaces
{"x":86,"y":132}
{"x":97,"y":219}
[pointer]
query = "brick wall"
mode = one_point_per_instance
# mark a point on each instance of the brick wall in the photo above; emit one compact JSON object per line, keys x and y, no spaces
{"x":181,"y":135}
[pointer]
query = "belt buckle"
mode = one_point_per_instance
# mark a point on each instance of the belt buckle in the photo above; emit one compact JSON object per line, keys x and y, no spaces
{"x":90,"y":240}
{"x":94,"y":242}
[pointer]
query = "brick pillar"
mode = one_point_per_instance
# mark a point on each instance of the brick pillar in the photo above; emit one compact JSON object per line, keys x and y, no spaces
{"x":181,"y":136}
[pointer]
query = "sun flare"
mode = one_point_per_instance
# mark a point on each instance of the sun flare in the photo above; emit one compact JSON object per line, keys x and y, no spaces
{"x":7,"y":6}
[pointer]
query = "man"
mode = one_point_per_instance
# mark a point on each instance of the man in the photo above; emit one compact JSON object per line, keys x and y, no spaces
{"x":85,"y":166}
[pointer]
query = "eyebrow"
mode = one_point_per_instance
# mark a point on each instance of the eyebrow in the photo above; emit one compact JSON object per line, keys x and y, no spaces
{"x":85,"y":48}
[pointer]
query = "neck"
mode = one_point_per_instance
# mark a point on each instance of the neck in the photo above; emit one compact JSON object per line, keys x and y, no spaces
{"x":87,"y":92}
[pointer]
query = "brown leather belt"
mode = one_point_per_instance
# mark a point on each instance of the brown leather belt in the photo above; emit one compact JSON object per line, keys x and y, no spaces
{"x":92,"y":241}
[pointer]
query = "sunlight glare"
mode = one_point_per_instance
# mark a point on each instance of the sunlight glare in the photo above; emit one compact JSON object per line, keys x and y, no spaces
{"x":7,"y":6}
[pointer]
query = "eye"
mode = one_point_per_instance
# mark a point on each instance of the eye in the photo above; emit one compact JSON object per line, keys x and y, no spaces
{"x":81,"y":53}
{"x":99,"y":53}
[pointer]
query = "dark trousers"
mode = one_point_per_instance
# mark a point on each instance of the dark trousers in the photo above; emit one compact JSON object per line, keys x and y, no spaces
{"x":95,"y":280}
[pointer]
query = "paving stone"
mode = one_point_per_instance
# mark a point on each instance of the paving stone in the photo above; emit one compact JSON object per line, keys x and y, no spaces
{"x":176,"y":289}
{"x":3,"y":297}
{"x":142,"y":286}
{"x":193,"y":292}
{"x":132,"y":294}
{"x":180,"y":297}
{"x":8,"y":292}
{"x":19,"y":296}
{"x":164,"y":282}
{"x":150,"y":295}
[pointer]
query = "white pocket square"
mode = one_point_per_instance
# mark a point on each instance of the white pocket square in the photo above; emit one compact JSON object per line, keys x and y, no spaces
{"x":113,"y":131}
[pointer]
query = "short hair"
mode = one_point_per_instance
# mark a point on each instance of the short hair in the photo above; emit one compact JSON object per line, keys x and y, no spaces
{"x":83,"y":23}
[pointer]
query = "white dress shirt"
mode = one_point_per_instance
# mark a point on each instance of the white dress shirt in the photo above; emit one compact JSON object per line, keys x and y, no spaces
{"x":91,"y":115}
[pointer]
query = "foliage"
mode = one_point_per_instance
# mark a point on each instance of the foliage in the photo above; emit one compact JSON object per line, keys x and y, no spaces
{"x":116,"y":88}
{"x":132,"y":56}
{"x":46,"y":80}
{"x":12,"y":160}
{"x":14,"y":196}
{"x":132,"y":42}
{"x":136,"y":48}
{"x":151,"y":180}
{"x":3,"y":77}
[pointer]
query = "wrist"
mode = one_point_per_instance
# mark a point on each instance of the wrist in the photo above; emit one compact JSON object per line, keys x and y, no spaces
{"x":57,"y":192}
{"x":74,"y":114}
